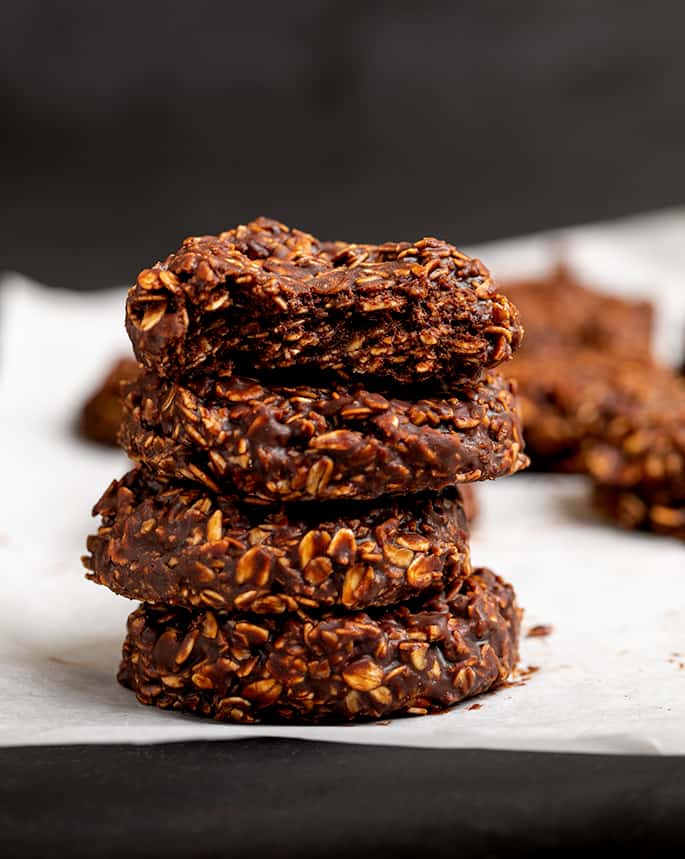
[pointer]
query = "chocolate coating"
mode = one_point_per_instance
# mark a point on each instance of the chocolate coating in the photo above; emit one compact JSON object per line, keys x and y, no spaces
{"x":274,"y":443}
{"x":187,"y":546}
{"x":415,"y":658}
{"x":274,"y":297}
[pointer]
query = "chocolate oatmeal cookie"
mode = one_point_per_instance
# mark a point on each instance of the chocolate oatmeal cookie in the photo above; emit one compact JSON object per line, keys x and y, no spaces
{"x":190,"y":547}
{"x":558,"y":311}
{"x":414,"y":658}
{"x":642,"y":510}
{"x":101,"y":415}
{"x":637,"y":455}
{"x":267,"y":296}
{"x":274,"y":443}
{"x":564,"y":399}
{"x":576,"y":341}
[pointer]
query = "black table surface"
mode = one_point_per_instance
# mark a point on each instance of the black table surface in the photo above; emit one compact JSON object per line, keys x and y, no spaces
{"x":289,"y":798}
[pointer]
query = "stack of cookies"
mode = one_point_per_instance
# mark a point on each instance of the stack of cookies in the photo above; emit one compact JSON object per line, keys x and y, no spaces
{"x":305,"y":419}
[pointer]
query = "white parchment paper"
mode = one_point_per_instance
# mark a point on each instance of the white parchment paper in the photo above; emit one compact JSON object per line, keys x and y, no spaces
{"x":611,"y":675}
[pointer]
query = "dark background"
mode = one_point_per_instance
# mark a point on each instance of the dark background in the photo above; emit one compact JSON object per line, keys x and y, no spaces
{"x":129,"y":125}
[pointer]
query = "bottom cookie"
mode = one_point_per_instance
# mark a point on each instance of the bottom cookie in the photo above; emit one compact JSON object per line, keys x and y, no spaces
{"x":416,"y":658}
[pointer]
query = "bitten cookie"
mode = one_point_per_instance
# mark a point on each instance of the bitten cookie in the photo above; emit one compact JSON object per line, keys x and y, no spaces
{"x":187,"y":546}
{"x":269,"y":297}
{"x":275,"y":443}
{"x":414,"y":658}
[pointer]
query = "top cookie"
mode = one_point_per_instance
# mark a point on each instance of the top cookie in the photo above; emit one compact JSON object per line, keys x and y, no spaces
{"x":270,"y":297}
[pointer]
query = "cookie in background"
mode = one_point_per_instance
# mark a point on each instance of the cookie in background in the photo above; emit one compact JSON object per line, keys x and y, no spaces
{"x":595,"y":401}
{"x":103,"y":411}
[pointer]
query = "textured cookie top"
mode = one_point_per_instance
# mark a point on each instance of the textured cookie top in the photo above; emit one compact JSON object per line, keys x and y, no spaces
{"x":272,"y":297}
